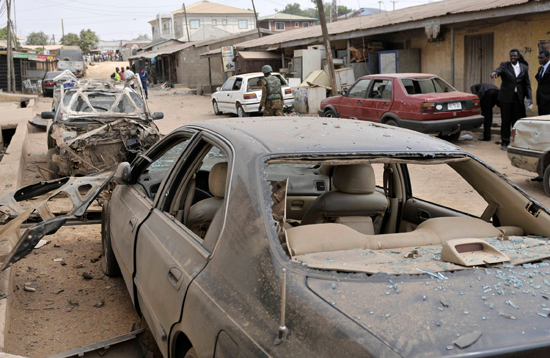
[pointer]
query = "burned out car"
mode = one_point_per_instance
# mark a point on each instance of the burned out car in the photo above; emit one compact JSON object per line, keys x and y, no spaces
{"x":319,"y":238}
{"x":96,"y":126}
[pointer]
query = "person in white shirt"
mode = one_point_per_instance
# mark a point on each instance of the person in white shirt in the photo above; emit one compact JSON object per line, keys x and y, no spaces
{"x":129,"y":74}
{"x":514,"y":89}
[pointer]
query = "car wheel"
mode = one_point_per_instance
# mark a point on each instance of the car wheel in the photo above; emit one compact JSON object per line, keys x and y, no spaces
{"x":546,"y":180}
{"x":191,"y":353}
{"x":52,"y":167}
{"x":109,"y":264}
{"x":240,"y":111}
{"x":329,"y":113}
{"x":392,"y":122}
{"x":216,"y":108}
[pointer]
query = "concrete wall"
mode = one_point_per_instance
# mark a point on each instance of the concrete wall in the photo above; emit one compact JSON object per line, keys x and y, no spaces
{"x":192,"y":69}
{"x":521,"y":34}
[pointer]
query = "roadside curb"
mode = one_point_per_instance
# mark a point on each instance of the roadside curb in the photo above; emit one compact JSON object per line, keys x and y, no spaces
{"x":12,"y":171}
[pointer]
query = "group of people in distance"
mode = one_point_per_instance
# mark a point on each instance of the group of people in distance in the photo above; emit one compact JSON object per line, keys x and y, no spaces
{"x":121,"y":75}
{"x":514,"y":94}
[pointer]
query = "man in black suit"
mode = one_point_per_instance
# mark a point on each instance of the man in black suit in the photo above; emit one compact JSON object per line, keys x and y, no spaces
{"x":543,"y":78}
{"x":515,"y":87}
{"x":488,"y":98}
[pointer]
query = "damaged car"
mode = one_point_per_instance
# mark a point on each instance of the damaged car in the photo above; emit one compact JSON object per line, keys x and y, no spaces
{"x":307,"y":238}
{"x":97,"y":125}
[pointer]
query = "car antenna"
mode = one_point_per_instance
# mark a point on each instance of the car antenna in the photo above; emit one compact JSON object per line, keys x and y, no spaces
{"x":283,"y":330}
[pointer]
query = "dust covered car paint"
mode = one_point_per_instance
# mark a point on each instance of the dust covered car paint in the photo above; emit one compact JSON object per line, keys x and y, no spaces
{"x":96,"y":126}
{"x":29,"y":206}
{"x":295,"y":238}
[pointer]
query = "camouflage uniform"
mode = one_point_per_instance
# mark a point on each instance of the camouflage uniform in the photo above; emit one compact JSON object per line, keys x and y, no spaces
{"x":272,"y":96}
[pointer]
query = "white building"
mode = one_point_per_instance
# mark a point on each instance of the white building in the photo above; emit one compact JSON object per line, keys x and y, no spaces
{"x":205,"y":20}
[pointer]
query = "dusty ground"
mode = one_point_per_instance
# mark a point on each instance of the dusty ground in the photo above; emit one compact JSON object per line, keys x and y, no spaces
{"x":46,"y":322}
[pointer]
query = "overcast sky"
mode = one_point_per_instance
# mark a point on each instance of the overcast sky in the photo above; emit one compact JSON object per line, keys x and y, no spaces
{"x":126,"y":19}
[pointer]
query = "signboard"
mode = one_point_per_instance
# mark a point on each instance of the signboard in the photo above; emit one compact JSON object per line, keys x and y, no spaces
{"x":32,"y":56}
{"x":227,"y":58}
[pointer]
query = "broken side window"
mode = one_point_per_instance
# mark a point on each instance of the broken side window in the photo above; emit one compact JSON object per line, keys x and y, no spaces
{"x":137,"y":99}
{"x":123,"y":106}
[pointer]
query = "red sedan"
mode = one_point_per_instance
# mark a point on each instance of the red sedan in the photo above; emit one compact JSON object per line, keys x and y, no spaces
{"x":417,"y":101}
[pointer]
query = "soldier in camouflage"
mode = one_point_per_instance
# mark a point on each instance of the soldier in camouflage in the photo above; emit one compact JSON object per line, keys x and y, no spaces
{"x":272,"y":95}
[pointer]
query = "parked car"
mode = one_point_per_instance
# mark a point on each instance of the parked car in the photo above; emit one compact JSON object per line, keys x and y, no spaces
{"x":422,"y":102}
{"x":97,"y":125}
{"x":49,"y":84}
{"x":529,"y":147}
{"x":242,"y":94}
{"x":263,"y":238}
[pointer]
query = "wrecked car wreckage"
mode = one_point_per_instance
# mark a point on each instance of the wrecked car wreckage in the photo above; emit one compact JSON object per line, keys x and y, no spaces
{"x":98,"y":124}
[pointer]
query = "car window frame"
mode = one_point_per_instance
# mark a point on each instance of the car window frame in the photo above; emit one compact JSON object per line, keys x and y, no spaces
{"x":226,"y":82}
{"x":202,"y":135}
{"x":355,"y":84}
{"x":372,"y":87}
{"x":234,"y":82}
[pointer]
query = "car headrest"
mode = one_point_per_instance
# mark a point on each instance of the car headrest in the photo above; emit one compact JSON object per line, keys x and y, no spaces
{"x":354,"y":179}
{"x":217,"y":178}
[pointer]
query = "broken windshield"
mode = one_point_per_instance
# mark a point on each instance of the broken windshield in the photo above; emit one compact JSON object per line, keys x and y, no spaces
{"x":400,"y":215}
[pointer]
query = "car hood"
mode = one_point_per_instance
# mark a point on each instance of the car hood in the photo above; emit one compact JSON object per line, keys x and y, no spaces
{"x":448,"y":96}
{"x":532,"y":133}
{"x":423,"y":315}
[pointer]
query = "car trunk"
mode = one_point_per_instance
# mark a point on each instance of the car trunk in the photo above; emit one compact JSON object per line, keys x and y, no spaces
{"x":532,"y":133}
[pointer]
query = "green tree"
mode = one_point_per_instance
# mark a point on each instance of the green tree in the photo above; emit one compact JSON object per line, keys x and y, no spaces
{"x":70,"y":40}
{"x":342,"y":10}
{"x":4,"y":33}
{"x":293,"y":9}
{"x":37,"y":39}
{"x":142,"y":37}
{"x":88,"y":40}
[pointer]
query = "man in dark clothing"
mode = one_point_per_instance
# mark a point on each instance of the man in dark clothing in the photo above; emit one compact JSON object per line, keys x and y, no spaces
{"x":143,"y":75}
{"x":513,"y":91}
{"x":272,"y":95}
{"x":543,"y":79}
{"x":488,"y":97}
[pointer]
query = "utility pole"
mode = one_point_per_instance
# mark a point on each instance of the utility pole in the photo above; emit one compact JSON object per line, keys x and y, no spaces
{"x":330,"y":63}
{"x":9,"y":55}
{"x":257,"y":22}
{"x":186,"y":23}
{"x":53,"y":39}
{"x":62,"y":33}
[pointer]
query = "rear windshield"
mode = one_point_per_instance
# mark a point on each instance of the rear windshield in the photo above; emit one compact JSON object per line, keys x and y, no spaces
{"x":70,"y":55}
{"x":52,"y":75}
{"x":254,"y":83}
{"x":426,"y":85}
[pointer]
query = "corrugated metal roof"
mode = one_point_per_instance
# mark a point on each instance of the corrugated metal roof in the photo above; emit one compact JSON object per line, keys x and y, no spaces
{"x":206,"y":7}
{"x":283,"y":16}
{"x":410,"y":14}
{"x":258,"y":55}
{"x":163,"y":51}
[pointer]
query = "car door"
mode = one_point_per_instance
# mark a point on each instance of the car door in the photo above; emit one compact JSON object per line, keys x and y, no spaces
{"x":168,"y":254}
{"x":130,"y":204}
{"x":379,"y":100}
{"x":224,"y":103}
{"x":351,"y":104}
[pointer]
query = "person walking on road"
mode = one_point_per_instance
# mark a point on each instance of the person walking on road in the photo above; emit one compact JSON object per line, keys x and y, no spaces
{"x":513,"y":91}
{"x":143,"y":75}
{"x":543,"y":79}
{"x":129,"y":74}
{"x":272,"y":95}
{"x":488,"y":97}
{"x":115,"y":76}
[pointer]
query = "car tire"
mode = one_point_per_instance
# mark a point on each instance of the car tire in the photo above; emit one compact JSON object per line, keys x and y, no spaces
{"x":392,"y":122}
{"x":216,"y":108}
{"x":52,"y":167}
{"x":546,"y":180}
{"x":240,"y":112}
{"x":191,"y":353}
{"x":329,"y":113}
{"x":109,"y":265}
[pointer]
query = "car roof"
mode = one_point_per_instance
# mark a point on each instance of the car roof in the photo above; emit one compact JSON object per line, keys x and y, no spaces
{"x":323,"y":135}
{"x":402,"y":75}
{"x":253,"y":74}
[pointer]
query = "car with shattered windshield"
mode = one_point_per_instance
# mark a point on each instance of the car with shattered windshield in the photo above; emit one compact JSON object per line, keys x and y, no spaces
{"x":97,"y":125}
{"x":418,"y":101}
{"x":261,"y":238}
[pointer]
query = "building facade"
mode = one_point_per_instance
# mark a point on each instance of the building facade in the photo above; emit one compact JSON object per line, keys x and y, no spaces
{"x":205,"y":20}
{"x":285,"y":22}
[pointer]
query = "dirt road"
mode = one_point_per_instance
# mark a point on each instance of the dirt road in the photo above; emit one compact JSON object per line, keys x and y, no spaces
{"x":68,"y":310}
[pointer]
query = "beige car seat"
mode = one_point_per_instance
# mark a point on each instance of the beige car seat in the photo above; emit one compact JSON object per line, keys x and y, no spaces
{"x":353,"y":203}
{"x":202,"y":213}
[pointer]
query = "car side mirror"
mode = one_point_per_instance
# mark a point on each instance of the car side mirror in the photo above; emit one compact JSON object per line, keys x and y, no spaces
{"x":47,"y":115}
{"x":218,"y":89}
{"x":344,"y":92}
{"x":123,"y":173}
{"x":158,"y":115}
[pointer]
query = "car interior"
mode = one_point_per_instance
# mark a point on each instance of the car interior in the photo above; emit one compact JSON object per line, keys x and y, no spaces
{"x":367,"y":213}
